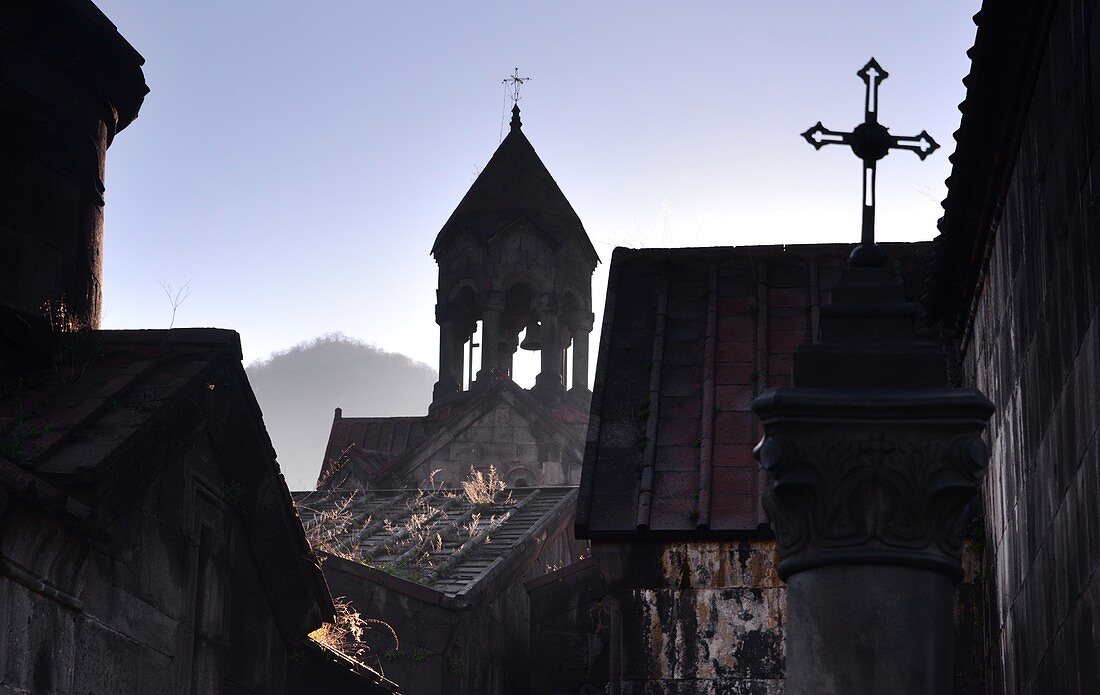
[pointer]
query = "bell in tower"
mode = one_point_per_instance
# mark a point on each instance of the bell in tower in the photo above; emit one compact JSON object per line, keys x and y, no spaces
{"x":532,"y":340}
{"x":515,"y":257}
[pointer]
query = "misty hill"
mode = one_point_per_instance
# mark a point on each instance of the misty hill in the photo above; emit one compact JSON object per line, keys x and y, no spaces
{"x":299,"y":388}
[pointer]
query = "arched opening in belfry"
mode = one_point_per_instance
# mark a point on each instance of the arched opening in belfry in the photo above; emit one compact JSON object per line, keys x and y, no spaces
{"x":522,"y":334}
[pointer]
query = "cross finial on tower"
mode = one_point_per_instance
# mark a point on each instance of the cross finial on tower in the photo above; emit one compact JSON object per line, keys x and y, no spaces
{"x":515,"y":82}
{"x":870,"y":141}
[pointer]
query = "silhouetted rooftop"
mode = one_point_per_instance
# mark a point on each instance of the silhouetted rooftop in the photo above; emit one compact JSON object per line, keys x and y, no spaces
{"x":1003,"y":74}
{"x":515,"y":183}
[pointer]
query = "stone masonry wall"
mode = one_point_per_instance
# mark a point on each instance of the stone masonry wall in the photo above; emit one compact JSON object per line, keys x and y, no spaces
{"x":504,"y":439}
{"x":1034,"y":350}
{"x":171,"y":604}
{"x":712,"y":622}
{"x":709,"y":618}
{"x":570,"y":627}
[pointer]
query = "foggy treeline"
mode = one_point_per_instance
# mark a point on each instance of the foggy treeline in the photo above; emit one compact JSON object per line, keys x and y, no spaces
{"x":299,"y":388}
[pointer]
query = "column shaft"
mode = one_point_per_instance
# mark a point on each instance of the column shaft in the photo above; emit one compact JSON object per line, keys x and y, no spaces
{"x":549,"y":379}
{"x":580,"y":358}
{"x":450,"y":361}
{"x":490,"y":345}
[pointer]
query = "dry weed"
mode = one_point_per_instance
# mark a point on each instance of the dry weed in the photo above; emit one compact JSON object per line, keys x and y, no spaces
{"x":348,"y":634}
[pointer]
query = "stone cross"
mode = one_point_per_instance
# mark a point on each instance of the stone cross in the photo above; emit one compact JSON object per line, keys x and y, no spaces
{"x":515,"y":82}
{"x":870,"y":141}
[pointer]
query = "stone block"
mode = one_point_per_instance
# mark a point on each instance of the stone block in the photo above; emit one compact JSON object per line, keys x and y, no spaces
{"x":496,"y":453}
{"x":752,"y":564}
{"x":527,"y":453}
{"x":677,"y":458}
{"x":785,"y":341}
{"x":678,"y":431}
{"x":736,"y":350}
{"x":480,"y":433}
{"x":734,"y":373}
{"x":549,"y":452}
{"x":734,"y":328}
{"x":523,"y":434}
{"x":463,"y":451}
{"x":553,"y":474}
{"x":680,"y":381}
{"x":733,"y":427}
{"x":733,"y":397}
{"x":682,"y":353}
{"x":141,"y":621}
{"x":620,"y":434}
{"x":107,"y":662}
{"x":36,"y":641}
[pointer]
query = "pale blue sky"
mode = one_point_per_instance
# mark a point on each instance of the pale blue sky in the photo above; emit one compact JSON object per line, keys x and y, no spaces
{"x":295,"y":160}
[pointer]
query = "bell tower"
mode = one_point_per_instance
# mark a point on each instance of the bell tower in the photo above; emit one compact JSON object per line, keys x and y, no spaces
{"x":514,"y":257}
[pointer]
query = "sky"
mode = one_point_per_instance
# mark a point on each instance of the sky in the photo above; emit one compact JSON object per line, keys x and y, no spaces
{"x":294,"y":161}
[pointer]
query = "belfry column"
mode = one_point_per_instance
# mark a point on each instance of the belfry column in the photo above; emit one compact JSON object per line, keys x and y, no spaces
{"x":490,"y":338}
{"x":509,"y":344}
{"x":450,"y":359}
{"x":872,"y":465}
{"x":581,"y":330}
{"x":549,"y":379}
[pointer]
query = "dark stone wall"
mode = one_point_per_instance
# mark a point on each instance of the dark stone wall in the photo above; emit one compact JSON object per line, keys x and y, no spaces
{"x":570,"y":631}
{"x":68,"y":83}
{"x":507,"y":440}
{"x":169,"y":600}
{"x":474,"y":643}
{"x":694,"y":617}
{"x":1033,"y":348}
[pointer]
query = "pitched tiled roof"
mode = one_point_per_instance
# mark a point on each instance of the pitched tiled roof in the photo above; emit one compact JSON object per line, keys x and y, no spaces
{"x":690,"y":338}
{"x":435,"y":545}
{"x":515,"y":183}
{"x":373,"y":444}
{"x":1003,"y":75}
{"x":71,"y":421}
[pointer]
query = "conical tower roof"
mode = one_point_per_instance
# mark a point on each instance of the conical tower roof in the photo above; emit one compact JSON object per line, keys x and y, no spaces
{"x":515,"y":183}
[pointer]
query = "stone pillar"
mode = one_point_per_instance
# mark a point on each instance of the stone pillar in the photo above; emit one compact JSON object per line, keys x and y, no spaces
{"x":872,"y":466}
{"x":450,"y":359}
{"x":549,"y":379}
{"x":509,"y":343}
{"x":70,"y":83}
{"x":490,"y":339}
{"x":581,"y":330}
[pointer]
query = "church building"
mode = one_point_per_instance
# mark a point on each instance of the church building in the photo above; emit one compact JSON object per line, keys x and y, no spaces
{"x":435,"y":523}
{"x":515,"y":273}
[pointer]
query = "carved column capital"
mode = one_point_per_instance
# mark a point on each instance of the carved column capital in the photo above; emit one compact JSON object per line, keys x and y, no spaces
{"x":582,"y":321}
{"x":872,"y":479}
{"x":448,"y":313}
